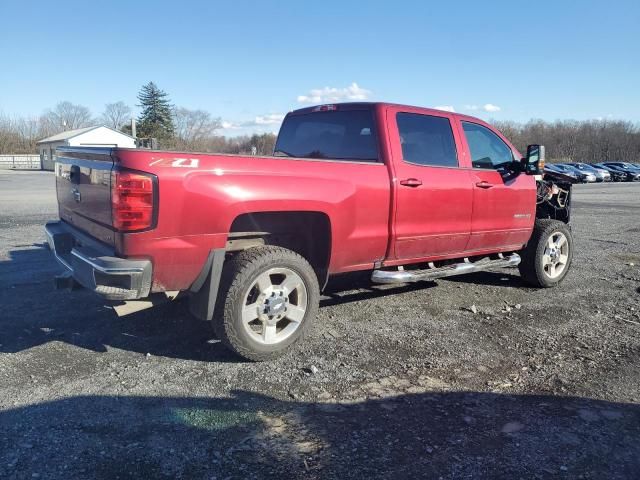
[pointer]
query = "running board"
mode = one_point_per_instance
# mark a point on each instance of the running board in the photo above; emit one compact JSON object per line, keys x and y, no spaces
{"x":431,"y":273}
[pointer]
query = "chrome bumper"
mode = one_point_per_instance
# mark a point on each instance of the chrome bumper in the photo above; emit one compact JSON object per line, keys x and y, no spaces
{"x":94,"y":266}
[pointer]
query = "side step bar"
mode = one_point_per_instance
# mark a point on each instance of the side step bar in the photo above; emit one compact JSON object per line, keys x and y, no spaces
{"x":431,"y":273}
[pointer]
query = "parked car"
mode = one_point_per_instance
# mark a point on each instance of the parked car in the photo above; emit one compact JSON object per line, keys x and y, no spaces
{"x":553,"y":168}
{"x":407,"y":193}
{"x":626,"y":166}
{"x":623,"y":174}
{"x":616,"y":175}
{"x":587,"y":177}
{"x":601,"y":174}
{"x":584,"y":177}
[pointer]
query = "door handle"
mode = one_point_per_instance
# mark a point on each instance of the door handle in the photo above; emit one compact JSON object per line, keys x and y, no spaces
{"x":484,"y":184}
{"x":74,"y":174}
{"x":411,"y":182}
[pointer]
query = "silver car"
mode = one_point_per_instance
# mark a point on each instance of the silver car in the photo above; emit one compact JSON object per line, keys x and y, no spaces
{"x":601,"y":174}
{"x":583,"y":176}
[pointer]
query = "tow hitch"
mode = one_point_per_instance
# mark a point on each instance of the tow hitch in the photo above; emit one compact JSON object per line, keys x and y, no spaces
{"x":65,"y":281}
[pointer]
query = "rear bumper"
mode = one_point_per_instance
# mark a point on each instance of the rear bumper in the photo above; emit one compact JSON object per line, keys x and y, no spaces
{"x":94,"y":266}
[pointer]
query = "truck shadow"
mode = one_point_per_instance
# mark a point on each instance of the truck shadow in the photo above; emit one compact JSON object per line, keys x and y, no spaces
{"x":494,"y":279}
{"x":34,"y":313}
{"x":357,"y":287}
{"x":422,"y":435}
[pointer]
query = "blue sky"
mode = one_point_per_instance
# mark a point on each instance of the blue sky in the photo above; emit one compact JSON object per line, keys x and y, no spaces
{"x":250,"y":62}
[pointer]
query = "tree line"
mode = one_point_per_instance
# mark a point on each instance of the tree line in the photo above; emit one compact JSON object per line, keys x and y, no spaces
{"x":175,"y":128}
{"x":588,"y":141}
{"x":179,"y":128}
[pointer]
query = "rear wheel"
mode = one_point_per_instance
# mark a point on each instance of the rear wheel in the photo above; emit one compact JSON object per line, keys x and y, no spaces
{"x":269,"y":298}
{"x":547,"y":257}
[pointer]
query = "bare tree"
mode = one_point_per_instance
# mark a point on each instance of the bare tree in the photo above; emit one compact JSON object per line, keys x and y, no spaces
{"x":18,"y":135}
{"x":116,"y":114}
{"x":66,"y":116}
{"x":194,"y":127}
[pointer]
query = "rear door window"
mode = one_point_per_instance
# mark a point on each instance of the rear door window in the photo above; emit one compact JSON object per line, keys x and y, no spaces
{"x":427,"y":140}
{"x":335,"y":135}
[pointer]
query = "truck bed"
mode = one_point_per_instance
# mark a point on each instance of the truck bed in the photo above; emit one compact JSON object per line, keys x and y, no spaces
{"x":200,"y":196}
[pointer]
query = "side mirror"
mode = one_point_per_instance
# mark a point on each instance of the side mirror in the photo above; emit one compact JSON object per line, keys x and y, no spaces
{"x":533,"y":163}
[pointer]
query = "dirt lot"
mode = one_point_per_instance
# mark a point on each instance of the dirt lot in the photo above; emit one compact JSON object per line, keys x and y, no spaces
{"x":404,"y":382}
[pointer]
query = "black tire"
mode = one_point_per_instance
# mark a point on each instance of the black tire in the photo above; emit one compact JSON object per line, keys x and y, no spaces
{"x":238,"y":275}
{"x":532,"y":266}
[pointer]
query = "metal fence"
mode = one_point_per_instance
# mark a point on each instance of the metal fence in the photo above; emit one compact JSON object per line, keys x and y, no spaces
{"x":20,"y":162}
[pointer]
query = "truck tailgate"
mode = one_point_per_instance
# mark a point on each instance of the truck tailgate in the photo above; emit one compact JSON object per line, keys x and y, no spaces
{"x":83,"y":186}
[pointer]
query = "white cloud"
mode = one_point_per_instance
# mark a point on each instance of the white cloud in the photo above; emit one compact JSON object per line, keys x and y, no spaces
{"x":446,"y":108}
{"x":271,"y":119}
{"x":490,"y":107}
{"x":268,"y":123}
{"x":260,"y":122}
{"x":332,"y":94}
{"x":487,"y":107}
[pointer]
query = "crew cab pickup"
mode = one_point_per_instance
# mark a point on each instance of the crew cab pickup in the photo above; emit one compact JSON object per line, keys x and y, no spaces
{"x":407,"y":193}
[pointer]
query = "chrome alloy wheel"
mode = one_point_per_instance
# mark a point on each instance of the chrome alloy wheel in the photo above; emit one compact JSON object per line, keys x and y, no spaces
{"x":556,"y":255}
{"x":274,"y":306}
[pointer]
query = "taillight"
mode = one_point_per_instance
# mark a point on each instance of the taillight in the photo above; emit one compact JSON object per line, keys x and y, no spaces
{"x":132,"y":201}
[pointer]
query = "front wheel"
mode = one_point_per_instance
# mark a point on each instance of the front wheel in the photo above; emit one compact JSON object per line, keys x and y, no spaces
{"x":269,"y":297}
{"x":547,"y":257}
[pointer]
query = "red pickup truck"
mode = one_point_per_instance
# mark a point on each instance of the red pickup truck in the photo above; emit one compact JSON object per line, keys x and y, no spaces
{"x":407,"y":193}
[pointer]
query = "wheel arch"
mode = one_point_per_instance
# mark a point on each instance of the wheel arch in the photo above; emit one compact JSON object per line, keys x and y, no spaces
{"x":307,"y":233}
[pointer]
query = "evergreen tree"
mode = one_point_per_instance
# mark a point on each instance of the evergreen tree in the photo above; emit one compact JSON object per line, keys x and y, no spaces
{"x":156,"y":119}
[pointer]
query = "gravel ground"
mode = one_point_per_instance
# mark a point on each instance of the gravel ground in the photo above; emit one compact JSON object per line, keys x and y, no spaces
{"x":402,"y":382}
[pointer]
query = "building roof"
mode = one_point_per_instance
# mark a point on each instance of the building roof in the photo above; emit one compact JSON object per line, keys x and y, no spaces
{"x":74,"y":133}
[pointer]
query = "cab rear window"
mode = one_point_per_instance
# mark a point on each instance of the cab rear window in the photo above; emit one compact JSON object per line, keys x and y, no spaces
{"x":333,"y":135}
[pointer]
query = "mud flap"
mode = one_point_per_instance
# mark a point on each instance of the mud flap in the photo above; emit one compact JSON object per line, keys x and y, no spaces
{"x":204,"y":291}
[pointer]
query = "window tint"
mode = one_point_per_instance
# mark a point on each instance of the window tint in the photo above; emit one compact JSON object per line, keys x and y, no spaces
{"x":487,"y":149}
{"x":338,"y":135}
{"x":427,"y":140}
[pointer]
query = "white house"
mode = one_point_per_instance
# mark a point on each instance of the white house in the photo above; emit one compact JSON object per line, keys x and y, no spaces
{"x":100,"y":136}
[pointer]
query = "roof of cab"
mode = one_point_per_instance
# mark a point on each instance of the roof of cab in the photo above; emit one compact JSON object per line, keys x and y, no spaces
{"x":363,"y":105}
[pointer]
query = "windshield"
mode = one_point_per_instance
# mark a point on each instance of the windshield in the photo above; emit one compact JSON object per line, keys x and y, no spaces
{"x":336,"y":135}
{"x":583,"y":166}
